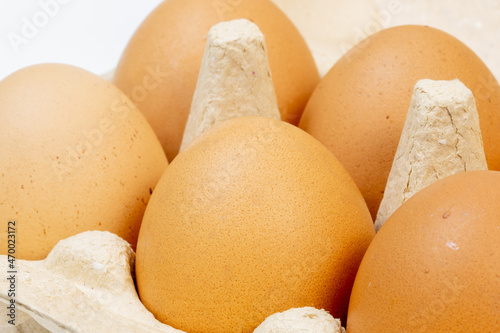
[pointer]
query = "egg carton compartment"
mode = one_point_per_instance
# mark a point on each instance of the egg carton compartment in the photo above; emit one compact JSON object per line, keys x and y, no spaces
{"x":84,"y":285}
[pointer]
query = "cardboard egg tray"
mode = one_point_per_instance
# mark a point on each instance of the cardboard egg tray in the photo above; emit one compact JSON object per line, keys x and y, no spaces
{"x":86,"y":284}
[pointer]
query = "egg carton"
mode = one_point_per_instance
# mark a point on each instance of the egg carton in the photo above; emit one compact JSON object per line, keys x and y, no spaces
{"x":86,"y":284}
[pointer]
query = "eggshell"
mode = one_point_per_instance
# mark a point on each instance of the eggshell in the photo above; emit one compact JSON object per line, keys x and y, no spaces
{"x":159,"y":68}
{"x":76,"y":155}
{"x":434,"y":265}
{"x":252,"y":218}
{"x":359,"y":108}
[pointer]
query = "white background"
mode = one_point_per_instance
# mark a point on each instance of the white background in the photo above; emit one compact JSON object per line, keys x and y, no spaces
{"x":90,"y":34}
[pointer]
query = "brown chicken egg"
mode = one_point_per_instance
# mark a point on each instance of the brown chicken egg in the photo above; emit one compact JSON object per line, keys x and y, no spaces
{"x":434,"y":266}
{"x":160,"y":65}
{"x":359,"y":108}
{"x":252,"y":218}
{"x":77,"y":155}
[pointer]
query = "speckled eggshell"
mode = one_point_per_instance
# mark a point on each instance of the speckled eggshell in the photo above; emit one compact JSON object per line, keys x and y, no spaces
{"x":76,"y":155}
{"x":159,"y":68}
{"x":359,"y":108}
{"x":252,"y":218}
{"x":435,"y":264}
